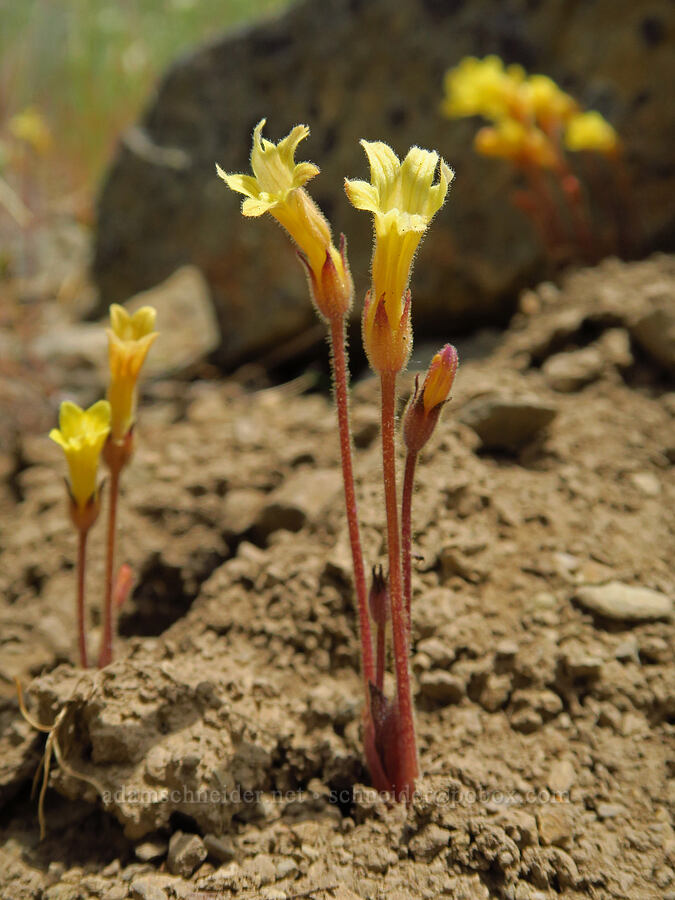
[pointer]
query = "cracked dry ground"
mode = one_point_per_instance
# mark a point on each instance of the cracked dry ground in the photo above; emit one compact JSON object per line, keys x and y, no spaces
{"x":224,"y":741}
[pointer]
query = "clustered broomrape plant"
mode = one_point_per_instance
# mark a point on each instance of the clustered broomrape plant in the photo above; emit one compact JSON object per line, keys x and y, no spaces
{"x":534,"y":125}
{"x":107,"y":429}
{"x":403,"y":197}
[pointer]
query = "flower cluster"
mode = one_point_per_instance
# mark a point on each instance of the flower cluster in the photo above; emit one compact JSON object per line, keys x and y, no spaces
{"x":531,"y":116}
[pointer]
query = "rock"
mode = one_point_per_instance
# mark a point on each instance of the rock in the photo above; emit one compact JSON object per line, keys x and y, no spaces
{"x":647,"y":483}
{"x":625,"y":602}
{"x":610,"y":810}
{"x":301,"y":498}
{"x":655,"y":649}
{"x":520,"y":826}
{"x":582,"y":665}
{"x":429,"y":842}
{"x":151,"y":887}
{"x":561,"y":776}
{"x":162,"y":205}
{"x":655,"y":332}
{"x":507,"y":422}
{"x":438,"y":652}
{"x":568,"y":372}
{"x":495,"y":693}
{"x":221,"y":849}
{"x":188,"y":328}
{"x":555,"y":825}
{"x":186,"y":853}
{"x":241,"y":508}
{"x":530,"y":708}
{"x":286,"y":867}
{"x":149,"y":850}
{"x":441,"y":686}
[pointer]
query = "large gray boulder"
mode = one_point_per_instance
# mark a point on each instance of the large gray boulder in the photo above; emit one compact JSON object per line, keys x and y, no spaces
{"x":373,"y":69}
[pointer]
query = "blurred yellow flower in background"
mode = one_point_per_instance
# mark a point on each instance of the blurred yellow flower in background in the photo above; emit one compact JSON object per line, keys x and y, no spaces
{"x":590,"y":131}
{"x":31,"y":127}
{"x":482,"y":87}
{"x":81,"y":434}
{"x":510,"y":139}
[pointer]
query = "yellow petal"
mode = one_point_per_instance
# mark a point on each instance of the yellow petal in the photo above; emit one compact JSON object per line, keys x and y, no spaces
{"x":384,"y":164}
{"x":70,"y":419}
{"x":57,"y":437}
{"x":362,"y":195}
{"x":143,"y":322}
{"x":98,"y":417}
{"x":119,"y":319}
{"x":253,"y":207}
{"x":242,"y":184}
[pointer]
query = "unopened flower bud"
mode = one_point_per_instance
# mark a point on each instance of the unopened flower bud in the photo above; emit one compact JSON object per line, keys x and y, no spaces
{"x":378,"y":599}
{"x":427,"y":402}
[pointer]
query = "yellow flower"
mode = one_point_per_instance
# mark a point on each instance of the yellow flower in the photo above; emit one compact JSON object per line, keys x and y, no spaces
{"x":31,"y":127}
{"x":81,"y":434}
{"x":590,"y":131}
{"x":521,"y":144}
{"x":129,"y":339}
{"x":483,"y":87}
{"x":403,"y":199}
{"x":277,"y":187}
{"x":546,"y":102}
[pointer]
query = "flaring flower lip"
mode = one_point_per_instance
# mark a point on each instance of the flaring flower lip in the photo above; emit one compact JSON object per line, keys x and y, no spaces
{"x":129,"y":340}
{"x":78,"y":427}
{"x":132,"y":327}
{"x":275,"y":172}
{"x":401,"y":194}
{"x":81,"y":435}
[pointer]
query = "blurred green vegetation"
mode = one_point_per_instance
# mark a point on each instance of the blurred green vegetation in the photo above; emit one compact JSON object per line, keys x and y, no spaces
{"x":87,"y":67}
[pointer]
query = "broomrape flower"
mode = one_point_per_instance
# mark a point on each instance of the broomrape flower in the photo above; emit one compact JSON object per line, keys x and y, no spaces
{"x":546,"y":103}
{"x":590,"y":131}
{"x":483,"y":87}
{"x":277,"y":187}
{"x":403,"y":199}
{"x":129,"y":339}
{"x":521,"y":144}
{"x":81,"y":434}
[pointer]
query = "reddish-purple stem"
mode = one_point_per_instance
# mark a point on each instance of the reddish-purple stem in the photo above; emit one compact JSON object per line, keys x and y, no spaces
{"x":407,"y":750}
{"x":81,"y":571}
{"x":339,"y":364}
{"x":106,"y":654}
{"x":406,"y":534}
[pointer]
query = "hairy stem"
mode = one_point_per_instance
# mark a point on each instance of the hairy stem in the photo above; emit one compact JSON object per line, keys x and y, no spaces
{"x":406,"y":750}
{"x":81,"y":572}
{"x":381,"y":633}
{"x":406,"y":535}
{"x":339,"y":365}
{"x":106,"y":654}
